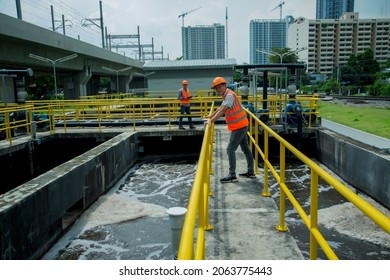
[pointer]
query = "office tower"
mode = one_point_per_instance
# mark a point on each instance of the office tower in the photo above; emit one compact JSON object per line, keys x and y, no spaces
{"x":333,"y":9}
{"x":264,"y":35}
{"x":204,"y":42}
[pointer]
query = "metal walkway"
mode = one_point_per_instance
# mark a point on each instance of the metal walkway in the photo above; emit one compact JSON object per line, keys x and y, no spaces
{"x":244,"y":222}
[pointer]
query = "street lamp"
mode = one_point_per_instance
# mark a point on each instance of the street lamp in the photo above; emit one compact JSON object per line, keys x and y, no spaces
{"x":62,"y":59}
{"x":117,"y":74}
{"x":281,"y":57}
{"x":145,"y":76}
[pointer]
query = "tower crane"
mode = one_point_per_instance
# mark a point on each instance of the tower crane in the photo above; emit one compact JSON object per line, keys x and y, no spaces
{"x":279,"y":6}
{"x":186,"y":13}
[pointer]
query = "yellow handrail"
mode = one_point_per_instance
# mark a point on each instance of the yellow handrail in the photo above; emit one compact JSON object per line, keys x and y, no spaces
{"x":198,"y":202}
{"x":310,"y":221}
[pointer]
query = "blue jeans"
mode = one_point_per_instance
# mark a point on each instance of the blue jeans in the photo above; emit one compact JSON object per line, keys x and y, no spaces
{"x":239,"y":138}
{"x":187,"y":110}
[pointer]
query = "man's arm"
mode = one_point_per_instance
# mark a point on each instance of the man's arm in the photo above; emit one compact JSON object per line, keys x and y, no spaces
{"x":217,"y":114}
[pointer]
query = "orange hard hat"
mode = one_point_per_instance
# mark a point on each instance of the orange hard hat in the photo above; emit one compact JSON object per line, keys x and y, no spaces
{"x":218,"y":81}
{"x":184,"y":82}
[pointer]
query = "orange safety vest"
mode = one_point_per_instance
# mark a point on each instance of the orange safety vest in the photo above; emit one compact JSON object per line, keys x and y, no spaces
{"x":185,"y":93}
{"x":235,"y":118}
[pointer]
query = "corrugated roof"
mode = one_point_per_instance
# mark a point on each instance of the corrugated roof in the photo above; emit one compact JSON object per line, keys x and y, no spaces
{"x":190,"y":64}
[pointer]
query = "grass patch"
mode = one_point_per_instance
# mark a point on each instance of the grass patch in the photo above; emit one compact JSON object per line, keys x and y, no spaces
{"x":369,"y":119}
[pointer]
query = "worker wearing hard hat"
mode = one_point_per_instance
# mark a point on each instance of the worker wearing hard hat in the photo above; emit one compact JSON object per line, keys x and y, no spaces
{"x":184,"y":97}
{"x":237,"y":123}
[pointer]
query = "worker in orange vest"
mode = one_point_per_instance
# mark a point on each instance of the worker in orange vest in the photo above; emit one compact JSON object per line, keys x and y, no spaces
{"x":237,"y":123}
{"x":184,"y":97}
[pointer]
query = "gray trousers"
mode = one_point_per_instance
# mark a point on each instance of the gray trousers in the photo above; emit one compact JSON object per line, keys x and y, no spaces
{"x":239,"y":138}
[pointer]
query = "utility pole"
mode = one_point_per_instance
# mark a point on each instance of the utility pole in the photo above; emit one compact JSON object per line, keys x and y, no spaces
{"x":19,"y":9}
{"x":227,"y":41}
{"x":90,"y":21}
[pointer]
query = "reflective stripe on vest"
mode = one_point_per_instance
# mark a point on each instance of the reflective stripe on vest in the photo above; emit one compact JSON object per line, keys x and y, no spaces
{"x":235,"y":118}
{"x":185,"y":93}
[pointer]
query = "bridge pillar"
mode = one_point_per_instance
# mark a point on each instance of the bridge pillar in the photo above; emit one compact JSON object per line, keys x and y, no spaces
{"x":84,"y":78}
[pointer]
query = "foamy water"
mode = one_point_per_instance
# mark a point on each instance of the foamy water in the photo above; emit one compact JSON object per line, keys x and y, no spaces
{"x":336,"y":215}
{"x":130,"y":221}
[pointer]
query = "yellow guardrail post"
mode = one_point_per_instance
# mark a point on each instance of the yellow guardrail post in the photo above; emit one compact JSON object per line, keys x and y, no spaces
{"x":8,"y":134}
{"x":100,"y":117}
{"x":266,"y":192}
{"x":198,"y":204}
{"x":63,"y":116}
{"x":313,"y":212}
{"x":282,"y":200}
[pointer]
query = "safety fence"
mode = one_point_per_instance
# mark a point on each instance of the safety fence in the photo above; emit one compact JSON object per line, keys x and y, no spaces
{"x":197,"y":209}
{"x":311,"y":219}
{"x":108,"y":112}
{"x":132,"y":111}
{"x":201,"y":187}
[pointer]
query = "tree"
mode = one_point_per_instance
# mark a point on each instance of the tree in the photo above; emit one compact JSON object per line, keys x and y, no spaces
{"x":39,"y":86}
{"x":360,"y":69}
{"x":331,"y":86}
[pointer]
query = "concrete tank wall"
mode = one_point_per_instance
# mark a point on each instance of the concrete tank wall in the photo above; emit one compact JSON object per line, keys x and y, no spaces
{"x":32,"y":215}
{"x":362,"y":167}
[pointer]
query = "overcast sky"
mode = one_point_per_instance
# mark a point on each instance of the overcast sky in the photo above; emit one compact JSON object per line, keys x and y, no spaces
{"x":159,"y":19}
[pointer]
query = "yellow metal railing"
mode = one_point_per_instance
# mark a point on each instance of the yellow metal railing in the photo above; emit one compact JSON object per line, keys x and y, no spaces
{"x":103,"y":112}
{"x":198,"y":203}
{"x":197,"y":209}
{"x":23,"y":117}
{"x":311,"y":219}
{"x":106,"y":111}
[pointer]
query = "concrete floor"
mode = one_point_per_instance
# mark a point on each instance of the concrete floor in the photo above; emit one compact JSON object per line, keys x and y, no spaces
{"x":244,"y":222}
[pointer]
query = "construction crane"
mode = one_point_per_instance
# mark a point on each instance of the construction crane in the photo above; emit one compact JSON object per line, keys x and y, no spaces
{"x":186,"y":13}
{"x":279,"y":6}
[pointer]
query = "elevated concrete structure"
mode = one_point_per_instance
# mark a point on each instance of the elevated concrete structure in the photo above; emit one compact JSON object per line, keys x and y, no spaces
{"x":79,"y":76}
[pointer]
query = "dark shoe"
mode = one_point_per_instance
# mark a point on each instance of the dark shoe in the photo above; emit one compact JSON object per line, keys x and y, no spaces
{"x":181,"y":127}
{"x":229,"y":179}
{"x":192,"y":126}
{"x":248,"y":175}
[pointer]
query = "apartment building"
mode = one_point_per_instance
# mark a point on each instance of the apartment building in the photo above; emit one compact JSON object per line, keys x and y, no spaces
{"x":330,"y":42}
{"x":204,"y":42}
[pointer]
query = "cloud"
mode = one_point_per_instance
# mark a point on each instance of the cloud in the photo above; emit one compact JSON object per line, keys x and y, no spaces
{"x":159,"y":19}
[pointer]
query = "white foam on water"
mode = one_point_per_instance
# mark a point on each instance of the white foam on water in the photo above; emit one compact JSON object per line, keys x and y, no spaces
{"x":116,"y":208}
{"x":349,"y":220}
{"x":123,"y":203}
{"x":344,"y":218}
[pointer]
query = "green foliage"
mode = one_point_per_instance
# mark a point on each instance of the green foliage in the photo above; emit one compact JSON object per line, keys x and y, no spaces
{"x":237,"y":76}
{"x":360,"y":69}
{"x":331,"y":86}
{"x":38,"y":87}
{"x":380,"y":89}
